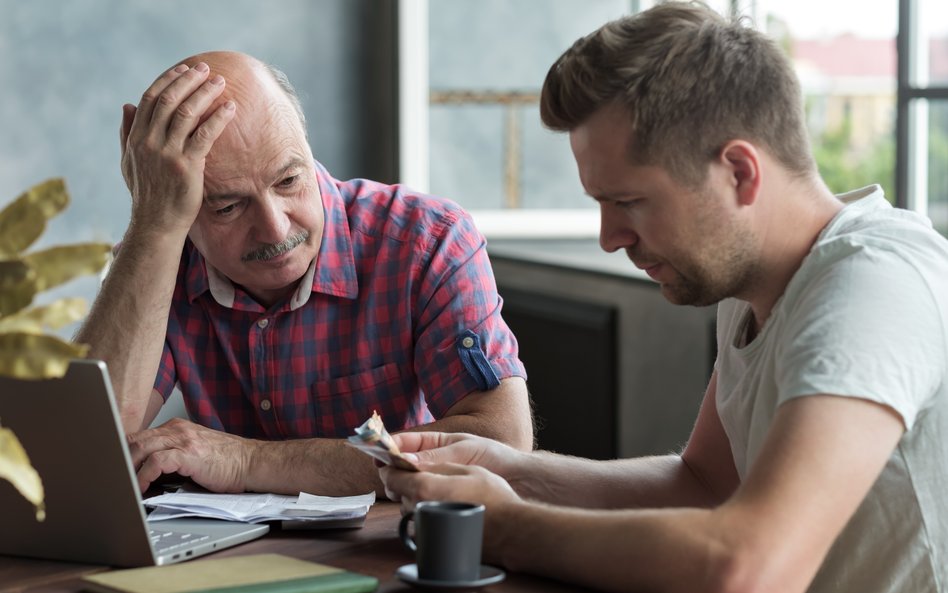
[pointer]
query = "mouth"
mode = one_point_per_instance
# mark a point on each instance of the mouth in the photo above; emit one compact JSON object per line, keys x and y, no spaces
{"x":650,"y":268}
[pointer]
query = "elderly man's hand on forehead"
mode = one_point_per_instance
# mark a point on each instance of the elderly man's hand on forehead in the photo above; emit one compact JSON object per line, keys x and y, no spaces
{"x":165,"y":141}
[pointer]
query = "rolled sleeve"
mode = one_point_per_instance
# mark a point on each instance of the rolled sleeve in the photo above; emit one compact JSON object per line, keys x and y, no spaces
{"x":462,"y":343}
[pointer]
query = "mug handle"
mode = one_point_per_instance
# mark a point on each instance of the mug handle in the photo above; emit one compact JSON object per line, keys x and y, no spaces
{"x":403,"y":531}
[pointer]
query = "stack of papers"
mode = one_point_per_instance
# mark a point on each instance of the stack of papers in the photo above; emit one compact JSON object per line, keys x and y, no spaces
{"x":257,"y":508}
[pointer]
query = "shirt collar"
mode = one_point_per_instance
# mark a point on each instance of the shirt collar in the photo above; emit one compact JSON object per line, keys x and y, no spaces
{"x":332,"y":272}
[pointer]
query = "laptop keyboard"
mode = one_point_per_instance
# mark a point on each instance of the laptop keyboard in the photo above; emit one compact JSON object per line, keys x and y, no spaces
{"x":166,"y":541}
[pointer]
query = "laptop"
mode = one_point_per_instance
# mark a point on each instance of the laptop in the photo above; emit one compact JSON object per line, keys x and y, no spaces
{"x":71,"y":431}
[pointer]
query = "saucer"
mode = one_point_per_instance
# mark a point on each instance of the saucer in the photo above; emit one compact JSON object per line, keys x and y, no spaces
{"x":489,"y":576}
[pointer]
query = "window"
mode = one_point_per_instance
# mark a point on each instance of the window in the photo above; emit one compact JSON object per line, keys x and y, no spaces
{"x":922,"y":140}
{"x":876,"y":104}
{"x":846,"y":63}
{"x":473,"y":134}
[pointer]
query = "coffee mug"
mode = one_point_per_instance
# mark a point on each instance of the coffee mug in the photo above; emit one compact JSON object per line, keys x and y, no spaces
{"x":448,"y":537}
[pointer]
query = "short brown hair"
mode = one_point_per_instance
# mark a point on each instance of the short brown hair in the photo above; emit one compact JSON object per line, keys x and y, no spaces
{"x":690,"y":80}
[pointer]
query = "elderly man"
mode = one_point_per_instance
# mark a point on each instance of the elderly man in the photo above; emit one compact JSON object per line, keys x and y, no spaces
{"x":818,"y":458}
{"x":287,"y":305}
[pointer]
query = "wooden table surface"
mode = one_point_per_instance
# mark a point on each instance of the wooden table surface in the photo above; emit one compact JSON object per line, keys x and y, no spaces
{"x":374,"y":550}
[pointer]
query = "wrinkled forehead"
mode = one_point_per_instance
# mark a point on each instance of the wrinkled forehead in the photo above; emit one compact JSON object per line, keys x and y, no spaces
{"x":256,"y":145}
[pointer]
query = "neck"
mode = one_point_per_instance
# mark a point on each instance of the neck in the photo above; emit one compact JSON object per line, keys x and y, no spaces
{"x":792,"y":223}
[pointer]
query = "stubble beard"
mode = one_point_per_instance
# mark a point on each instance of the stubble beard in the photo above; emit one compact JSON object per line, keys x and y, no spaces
{"x":728,"y":269}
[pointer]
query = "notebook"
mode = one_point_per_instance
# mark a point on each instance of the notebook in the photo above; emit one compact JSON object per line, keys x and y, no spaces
{"x":70,"y":429}
{"x":257,"y":573}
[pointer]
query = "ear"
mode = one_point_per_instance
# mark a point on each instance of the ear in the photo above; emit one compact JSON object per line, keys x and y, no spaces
{"x":742,"y":161}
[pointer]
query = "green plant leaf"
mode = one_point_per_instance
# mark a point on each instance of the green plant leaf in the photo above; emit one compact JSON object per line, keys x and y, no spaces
{"x":24,"y":220}
{"x":53,"y":316}
{"x":31,"y":356}
{"x":15,"y":467}
{"x":57,"y":265}
{"x":14,"y":272}
{"x":17,"y":286}
{"x":18,"y":297}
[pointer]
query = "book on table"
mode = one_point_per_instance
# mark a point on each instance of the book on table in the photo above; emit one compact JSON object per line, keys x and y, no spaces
{"x":258,"y":573}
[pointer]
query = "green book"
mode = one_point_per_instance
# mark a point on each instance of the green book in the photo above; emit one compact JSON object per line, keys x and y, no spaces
{"x":258,"y":573}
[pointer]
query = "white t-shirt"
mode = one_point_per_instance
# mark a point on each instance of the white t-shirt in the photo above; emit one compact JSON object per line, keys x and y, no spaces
{"x":865,"y":316}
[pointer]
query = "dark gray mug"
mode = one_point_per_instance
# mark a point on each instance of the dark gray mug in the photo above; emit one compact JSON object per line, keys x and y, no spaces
{"x":448,"y":537}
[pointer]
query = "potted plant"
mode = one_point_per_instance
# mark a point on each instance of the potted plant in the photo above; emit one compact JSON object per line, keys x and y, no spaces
{"x":27,"y":350}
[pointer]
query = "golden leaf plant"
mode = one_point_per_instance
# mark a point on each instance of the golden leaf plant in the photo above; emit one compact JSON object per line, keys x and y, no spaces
{"x":26,"y":350}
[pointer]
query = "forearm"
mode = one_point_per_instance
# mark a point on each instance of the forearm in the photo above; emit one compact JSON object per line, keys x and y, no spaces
{"x":656,"y":550}
{"x":127,"y":324}
{"x":327,"y":467}
{"x":502,"y":414}
{"x":647,"y":482}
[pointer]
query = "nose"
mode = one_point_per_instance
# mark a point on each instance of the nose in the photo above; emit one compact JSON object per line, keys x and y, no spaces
{"x":272,"y":223}
{"x":614,"y":232}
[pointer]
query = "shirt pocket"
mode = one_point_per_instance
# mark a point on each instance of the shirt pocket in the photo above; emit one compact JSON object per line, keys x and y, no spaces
{"x":343,"y":403}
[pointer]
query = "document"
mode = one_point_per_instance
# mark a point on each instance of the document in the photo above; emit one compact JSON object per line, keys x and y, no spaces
{"x":257,"y":508}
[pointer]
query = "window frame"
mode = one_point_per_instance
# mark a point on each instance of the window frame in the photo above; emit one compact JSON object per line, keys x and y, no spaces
{"x":911,"y":119}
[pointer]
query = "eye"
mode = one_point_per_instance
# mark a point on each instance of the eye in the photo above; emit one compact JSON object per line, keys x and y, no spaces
{"x":289,"y":181}
{"x":225,"y":210}
{"x":628,"y":204}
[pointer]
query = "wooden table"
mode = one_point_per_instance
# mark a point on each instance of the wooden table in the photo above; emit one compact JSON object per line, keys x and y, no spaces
{"x":374,"y":549}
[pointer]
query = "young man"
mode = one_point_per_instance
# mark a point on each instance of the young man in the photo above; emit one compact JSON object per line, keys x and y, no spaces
{"x":818,"y":458}
{"x":287,"y":305}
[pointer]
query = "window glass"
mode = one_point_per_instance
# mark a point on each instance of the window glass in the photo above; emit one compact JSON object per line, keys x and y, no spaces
{"x":487,"y":61}
{"x":933,"y":37}
{"x":846,"y":61}
{"x":938,"y":164}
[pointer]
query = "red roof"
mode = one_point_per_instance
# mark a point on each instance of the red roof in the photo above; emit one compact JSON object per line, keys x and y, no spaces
{"x":851,"y":56}
{"x":847,"y":55}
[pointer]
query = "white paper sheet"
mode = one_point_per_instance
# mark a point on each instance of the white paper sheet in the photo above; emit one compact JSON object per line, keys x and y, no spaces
{"x":257,"y":508}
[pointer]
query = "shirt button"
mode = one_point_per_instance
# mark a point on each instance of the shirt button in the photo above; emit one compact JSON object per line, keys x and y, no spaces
{"x":468,"y":342}
{"x":263,"y":323}
{"x":265,"y":405}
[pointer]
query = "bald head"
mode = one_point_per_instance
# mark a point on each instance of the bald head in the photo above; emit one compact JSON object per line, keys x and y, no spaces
{"x":249,"y":80}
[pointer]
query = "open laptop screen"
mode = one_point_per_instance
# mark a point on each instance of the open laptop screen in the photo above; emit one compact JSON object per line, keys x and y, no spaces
{"x":71,"y":431}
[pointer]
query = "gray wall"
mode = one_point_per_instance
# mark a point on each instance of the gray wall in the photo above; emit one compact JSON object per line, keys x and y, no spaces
{"x":665,"y":353}
{"x":66,"y":68}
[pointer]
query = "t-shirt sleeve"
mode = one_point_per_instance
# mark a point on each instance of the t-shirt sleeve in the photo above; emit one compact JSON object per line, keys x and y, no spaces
{"x":869,"y":327}
{"x":462,"y":343}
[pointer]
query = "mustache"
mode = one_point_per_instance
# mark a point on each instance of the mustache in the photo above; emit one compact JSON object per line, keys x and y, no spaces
{"x":275,"y":249}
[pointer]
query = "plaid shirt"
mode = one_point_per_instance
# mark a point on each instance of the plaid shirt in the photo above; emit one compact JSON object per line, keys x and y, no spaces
{"x":398,"y":314}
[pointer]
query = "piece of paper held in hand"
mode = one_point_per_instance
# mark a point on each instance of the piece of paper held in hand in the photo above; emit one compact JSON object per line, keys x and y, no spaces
{"x":372,"y":438}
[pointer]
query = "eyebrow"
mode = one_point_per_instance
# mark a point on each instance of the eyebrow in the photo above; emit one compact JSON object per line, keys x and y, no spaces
{"x":213,"y":199}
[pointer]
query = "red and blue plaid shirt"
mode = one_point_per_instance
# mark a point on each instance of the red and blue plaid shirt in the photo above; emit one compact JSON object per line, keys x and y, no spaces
{"x":403,"y":318}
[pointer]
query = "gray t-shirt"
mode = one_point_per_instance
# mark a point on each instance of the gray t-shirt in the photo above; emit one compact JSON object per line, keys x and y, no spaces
{"x":865,"y":316}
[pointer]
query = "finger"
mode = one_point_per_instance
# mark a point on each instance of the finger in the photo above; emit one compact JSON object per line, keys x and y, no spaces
{"x":389,"y":493}
{"x":172,"y":98}
{"x":409,"y":442}
{"x":147,"y":103}
{"x":193,"y":110}
{"x":163,"y":462}
{"x":145,"y":443}
{"x":128,"y":117}
{"x":398,"y":483}
{"x":453,"y":469}
{"x":203,"y":138}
